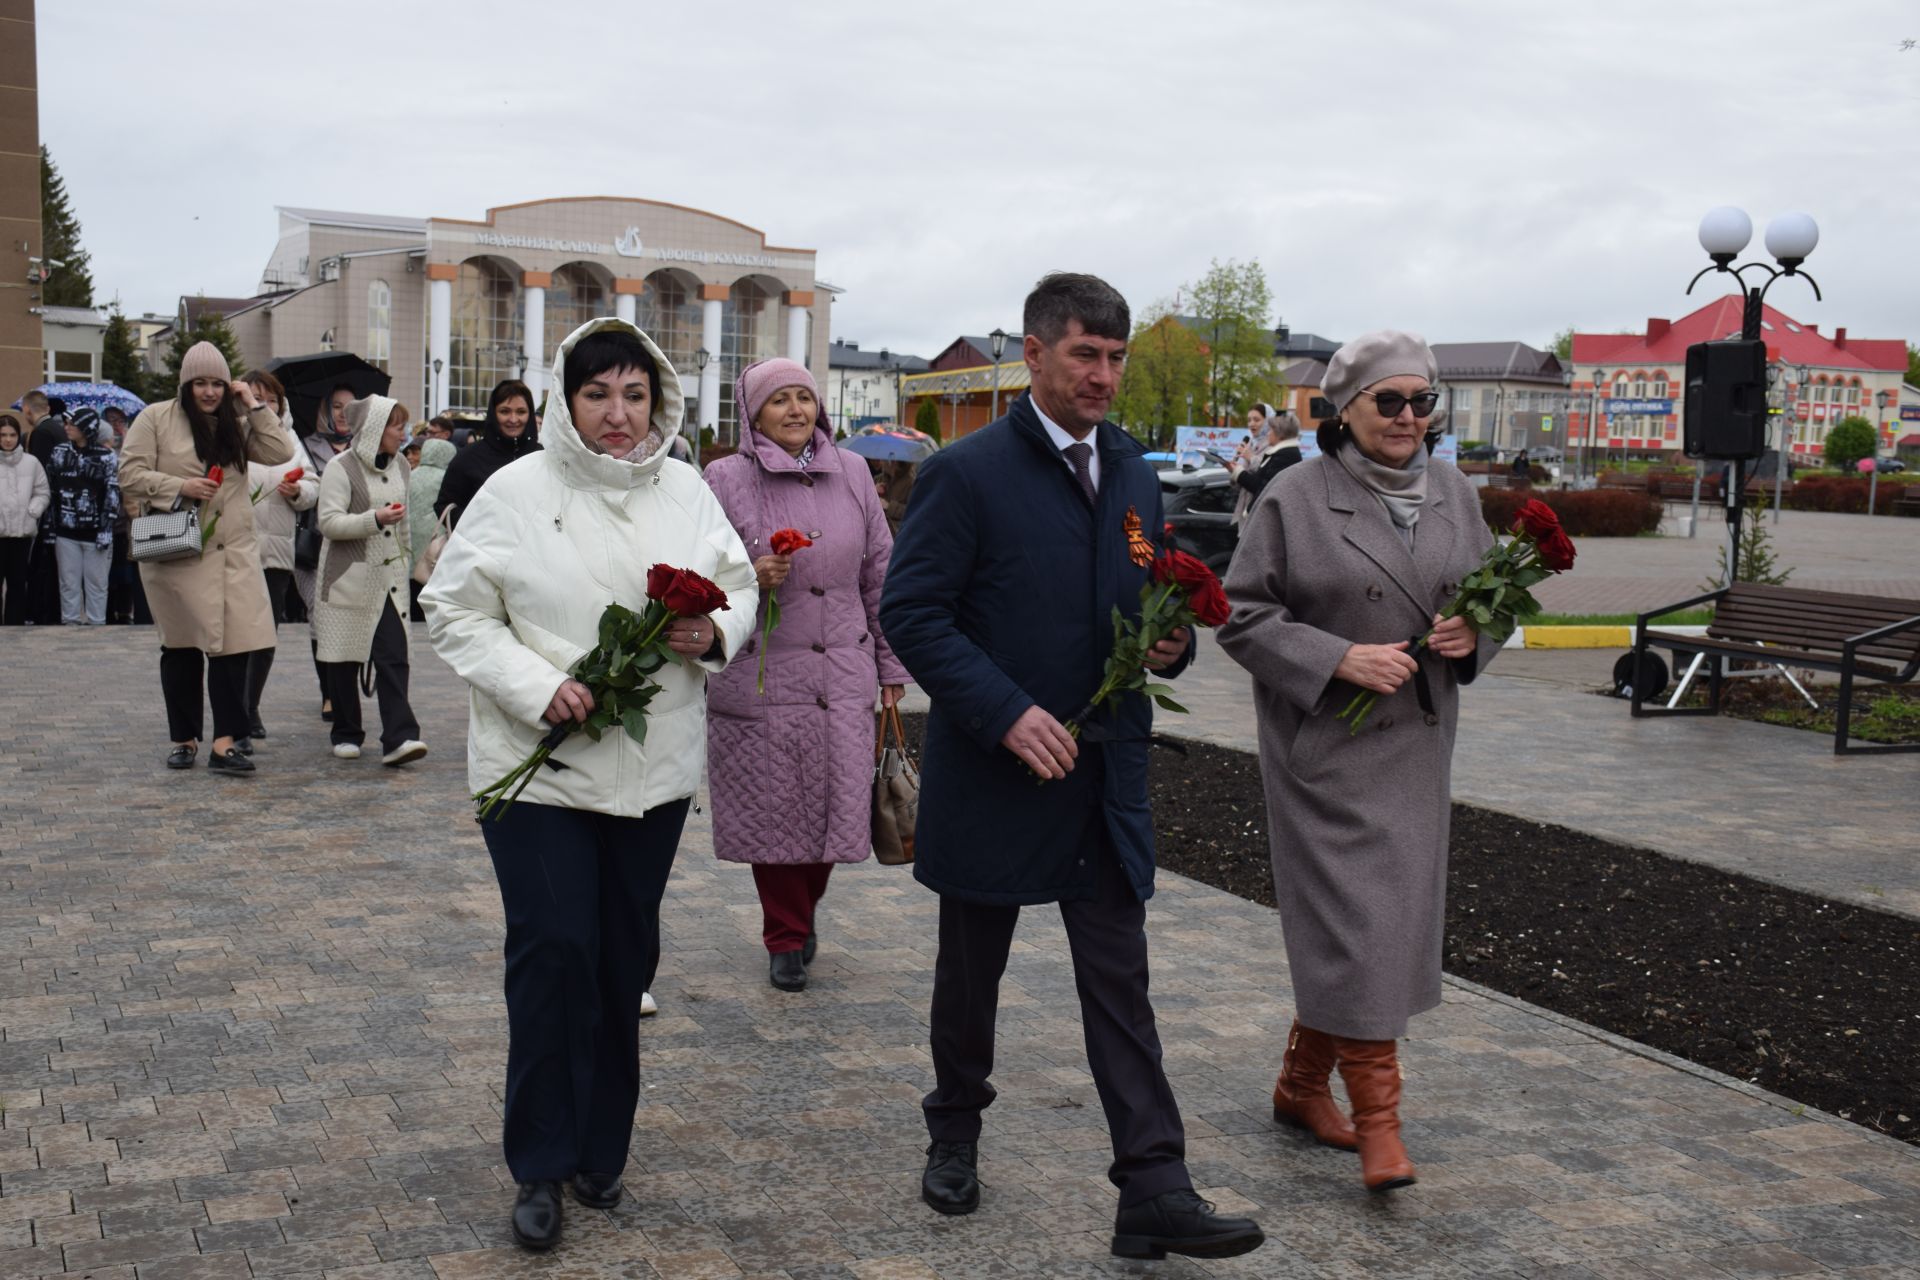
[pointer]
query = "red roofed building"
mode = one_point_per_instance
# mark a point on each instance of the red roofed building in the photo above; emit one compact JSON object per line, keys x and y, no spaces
{"x":1638,"y":379}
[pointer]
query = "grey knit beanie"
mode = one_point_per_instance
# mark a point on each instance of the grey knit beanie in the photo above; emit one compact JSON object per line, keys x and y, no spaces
{"x":203,"y":360}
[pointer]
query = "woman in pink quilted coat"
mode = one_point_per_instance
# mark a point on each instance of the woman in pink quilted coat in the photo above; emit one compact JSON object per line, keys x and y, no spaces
{"x":792,"y":768}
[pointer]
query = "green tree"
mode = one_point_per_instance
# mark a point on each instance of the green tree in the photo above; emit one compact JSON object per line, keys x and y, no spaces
{"x":1563,"y":344}
{"x":1913,"y":365}
{"x":208,"y":326}
{"x":1230,"y":306}
{"x":71,"y":284}
{"x":1851,"y":440}
{"x":119,"y":354}
{"x":1166,"y":372}
{"x":927,"y":418}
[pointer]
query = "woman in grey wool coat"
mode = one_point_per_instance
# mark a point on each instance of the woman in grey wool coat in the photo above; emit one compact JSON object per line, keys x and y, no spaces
{"x":1344,"y":560}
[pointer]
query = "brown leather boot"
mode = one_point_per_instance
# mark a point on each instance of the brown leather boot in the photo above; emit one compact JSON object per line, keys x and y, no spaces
{"x":1371,"y":1069}
{"x":1301,"y":1096}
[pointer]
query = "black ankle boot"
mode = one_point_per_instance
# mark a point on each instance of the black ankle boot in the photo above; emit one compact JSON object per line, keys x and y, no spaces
{"x":951,"y":1183}
{"x":787,"y":971}
{"x":1181,"y":1222}
{"x":537,"y":1216}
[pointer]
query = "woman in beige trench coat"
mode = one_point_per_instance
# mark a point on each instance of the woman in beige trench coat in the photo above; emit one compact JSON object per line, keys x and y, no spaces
{"x":211,"y":610}
{"x":1344,"y":560}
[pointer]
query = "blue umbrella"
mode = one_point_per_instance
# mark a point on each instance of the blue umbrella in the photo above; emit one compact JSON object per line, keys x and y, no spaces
{"x":98,"y":396}
{"x":887,"y":442}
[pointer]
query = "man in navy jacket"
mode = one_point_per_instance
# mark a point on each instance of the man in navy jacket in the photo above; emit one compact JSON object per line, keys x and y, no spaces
{"x":1000,"y":598}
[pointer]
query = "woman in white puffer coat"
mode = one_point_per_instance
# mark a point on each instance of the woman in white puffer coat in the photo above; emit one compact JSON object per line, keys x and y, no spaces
{"x":583,"y":856}
{"x":360,"y":601}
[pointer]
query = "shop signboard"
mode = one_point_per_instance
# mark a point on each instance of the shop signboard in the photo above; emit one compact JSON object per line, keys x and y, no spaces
{"x":1660,"y":408}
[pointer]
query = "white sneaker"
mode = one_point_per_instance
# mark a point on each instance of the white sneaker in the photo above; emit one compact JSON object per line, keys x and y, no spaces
{"x":411,"y":749}
{"x":647,"y":1007}
{"x":345,"y":751}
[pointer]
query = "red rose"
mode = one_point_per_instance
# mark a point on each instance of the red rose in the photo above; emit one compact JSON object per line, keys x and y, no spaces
{"x":1536,"y":520}
{"x":787,"y":541}
{"x":1196,"y":582}
{"x":1556,"y":551}
{"x":685,"y":593}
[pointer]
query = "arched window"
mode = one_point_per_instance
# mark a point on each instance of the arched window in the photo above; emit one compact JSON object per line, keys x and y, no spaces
{"x":670,"y":315}
{"x":749,"y":331}
{"x":575,"y":297}
{"x":379,"y":324}
{"x":485,"y":338}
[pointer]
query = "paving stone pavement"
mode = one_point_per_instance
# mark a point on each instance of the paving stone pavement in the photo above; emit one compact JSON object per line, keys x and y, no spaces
{"x":253,"y":1027}
{"x":1826,"y":551}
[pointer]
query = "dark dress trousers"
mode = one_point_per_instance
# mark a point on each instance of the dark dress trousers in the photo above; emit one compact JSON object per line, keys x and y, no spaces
{"x":1000,"y":596}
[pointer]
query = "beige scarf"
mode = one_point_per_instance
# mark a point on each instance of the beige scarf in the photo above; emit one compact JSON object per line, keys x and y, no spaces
{"x":1402,"y":491}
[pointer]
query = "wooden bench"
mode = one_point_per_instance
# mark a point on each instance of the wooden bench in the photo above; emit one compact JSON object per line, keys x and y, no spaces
{"x":1855,"y":636}
{"x":1908,"y":503}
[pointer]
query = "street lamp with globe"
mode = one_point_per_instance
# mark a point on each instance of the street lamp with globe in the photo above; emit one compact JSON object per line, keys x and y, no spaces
{"x":997,"y":340}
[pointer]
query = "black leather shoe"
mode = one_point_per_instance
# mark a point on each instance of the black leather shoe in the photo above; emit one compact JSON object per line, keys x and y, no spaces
{"x":810,"y":948}
{"x":181,"y":758}
{"x":1181,"y":1222}
{"x":787,"y":971}
{"x":598,"y":1190}
{"x":243,"y":745}
{"x":256,"y":730}
{"x":951,"y":1184}
{"x":537,"y":1216}
{"x":229,"y":761}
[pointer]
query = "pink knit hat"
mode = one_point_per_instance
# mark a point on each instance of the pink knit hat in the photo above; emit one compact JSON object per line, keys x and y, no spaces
{"x":203,"y":360}
{"x":757,"y":383}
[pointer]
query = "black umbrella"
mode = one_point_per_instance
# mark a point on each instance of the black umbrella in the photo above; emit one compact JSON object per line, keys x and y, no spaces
{"x":309,"y":380}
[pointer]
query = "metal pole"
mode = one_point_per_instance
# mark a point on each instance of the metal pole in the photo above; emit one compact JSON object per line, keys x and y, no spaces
{"x":1873,"y":486}
{"x":1693,"y":519}
{"x":1780,"y":459}
{"x":996,"y":390}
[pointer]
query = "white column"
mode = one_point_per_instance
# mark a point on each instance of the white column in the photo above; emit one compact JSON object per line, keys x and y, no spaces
{"x":625,"y":306}
{"x":534,"y":338}
{"x":440,"y":338}
{"x":797,"y":334}
{"x":710,"y":376}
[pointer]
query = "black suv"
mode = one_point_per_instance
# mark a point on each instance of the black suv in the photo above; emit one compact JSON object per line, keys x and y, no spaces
{"x":1199,"y":509}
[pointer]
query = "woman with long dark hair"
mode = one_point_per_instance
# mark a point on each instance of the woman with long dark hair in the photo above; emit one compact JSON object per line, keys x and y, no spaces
{"x":211,"y":609}
{"x":508,"y":434}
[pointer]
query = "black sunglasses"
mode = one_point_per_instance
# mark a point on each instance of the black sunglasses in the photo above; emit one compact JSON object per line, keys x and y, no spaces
{"x":1390,"y":403}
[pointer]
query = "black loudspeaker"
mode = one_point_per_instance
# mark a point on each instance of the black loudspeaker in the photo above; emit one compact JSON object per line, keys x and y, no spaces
{"x":1726,"y":405}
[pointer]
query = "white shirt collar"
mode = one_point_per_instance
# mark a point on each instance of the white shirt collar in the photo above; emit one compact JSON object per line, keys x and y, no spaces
{"x":1061,"y":438}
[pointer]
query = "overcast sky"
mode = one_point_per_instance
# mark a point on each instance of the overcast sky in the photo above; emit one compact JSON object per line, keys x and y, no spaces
{"x":1476,"y":170}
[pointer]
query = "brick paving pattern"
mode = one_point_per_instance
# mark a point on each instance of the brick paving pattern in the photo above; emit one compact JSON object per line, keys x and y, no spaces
{"x":253,"y":1027}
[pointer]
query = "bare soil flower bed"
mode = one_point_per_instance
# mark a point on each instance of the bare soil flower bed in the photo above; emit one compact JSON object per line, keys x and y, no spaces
{"x":1886,"y":713}
{"x":1813,"y":1000}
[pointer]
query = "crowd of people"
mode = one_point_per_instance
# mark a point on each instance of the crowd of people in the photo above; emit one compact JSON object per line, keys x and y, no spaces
{"x":988,"y":575}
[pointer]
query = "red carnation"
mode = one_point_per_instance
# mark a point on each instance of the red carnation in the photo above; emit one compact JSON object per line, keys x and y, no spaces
{"x":787,"y":541}
{"x":684,"y":593}
{"x":1537,"y":520}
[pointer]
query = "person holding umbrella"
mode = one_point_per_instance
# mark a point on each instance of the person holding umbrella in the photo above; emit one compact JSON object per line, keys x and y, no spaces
{"x":894,"y":454}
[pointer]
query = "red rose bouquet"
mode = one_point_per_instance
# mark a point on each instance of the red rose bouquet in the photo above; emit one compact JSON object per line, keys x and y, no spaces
{"x":784,"y":542}
{"x":617,"y":672}
{"x":1497,"y":594}
{"x":1182,"y":592}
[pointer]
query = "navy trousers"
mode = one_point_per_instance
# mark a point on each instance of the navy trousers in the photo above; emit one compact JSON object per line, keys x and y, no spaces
{"x":1108,"y":938}
{"x":582,"y":895}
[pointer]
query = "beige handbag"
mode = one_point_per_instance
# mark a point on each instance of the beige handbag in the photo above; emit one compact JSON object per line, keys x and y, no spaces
{"x":896,"y":792}
{"x":430,"y":556}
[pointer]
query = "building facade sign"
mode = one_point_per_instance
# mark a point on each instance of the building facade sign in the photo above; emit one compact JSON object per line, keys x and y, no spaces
{"x":626,"y":245}
{"x":1910,"y":413}
{"x":1657,"y":407}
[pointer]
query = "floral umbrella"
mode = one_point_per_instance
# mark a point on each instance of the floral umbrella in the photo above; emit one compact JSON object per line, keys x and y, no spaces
{"x":98,"y":396}
{"x":891,"y":442}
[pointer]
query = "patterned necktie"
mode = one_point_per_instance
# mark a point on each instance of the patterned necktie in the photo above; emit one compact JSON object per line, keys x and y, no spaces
{"x":1080,"y":454}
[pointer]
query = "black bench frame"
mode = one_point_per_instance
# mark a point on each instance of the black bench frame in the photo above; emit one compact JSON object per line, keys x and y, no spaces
{"x":1782,"y":653}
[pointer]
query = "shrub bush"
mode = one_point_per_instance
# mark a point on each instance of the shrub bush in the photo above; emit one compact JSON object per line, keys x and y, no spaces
{"x":1592,"y":513}
{"x":1843,"y":493}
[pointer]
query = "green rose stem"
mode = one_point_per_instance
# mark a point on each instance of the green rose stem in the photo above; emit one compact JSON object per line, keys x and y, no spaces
{"x":766,"y":634}
{"x":499,"y":797}
{"x":1356,"y":711}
